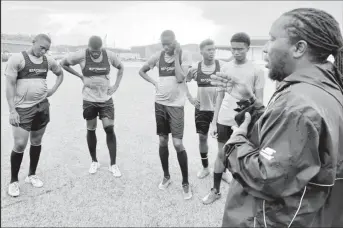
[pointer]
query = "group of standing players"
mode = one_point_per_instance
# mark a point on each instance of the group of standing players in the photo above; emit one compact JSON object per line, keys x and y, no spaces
{"x":27,"y":95}
{"x":285,"y":159}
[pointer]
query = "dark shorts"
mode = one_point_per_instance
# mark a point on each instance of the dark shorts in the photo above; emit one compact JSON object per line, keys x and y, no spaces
{"x":169,"y":120}
{"x":36,"y":117}
{"x":102,"y":109}
{"x":224,"y":133}
{"x":203,"y":120}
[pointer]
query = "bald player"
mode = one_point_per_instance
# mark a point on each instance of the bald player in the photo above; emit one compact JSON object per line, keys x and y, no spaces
{"x":27,"y":93}
{"x":95,"y":63}
{"x":170,"y":98}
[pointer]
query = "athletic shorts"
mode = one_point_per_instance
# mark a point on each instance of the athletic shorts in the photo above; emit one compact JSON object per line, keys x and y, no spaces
{"x":102,"y":109}
{"x":203,"y":120}
{"x":224,"y":133}
{"x":169,"y":120}
{"x":36,"y":117}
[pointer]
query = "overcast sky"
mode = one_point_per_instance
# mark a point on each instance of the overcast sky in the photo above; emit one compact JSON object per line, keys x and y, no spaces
{"x":139,"y":23}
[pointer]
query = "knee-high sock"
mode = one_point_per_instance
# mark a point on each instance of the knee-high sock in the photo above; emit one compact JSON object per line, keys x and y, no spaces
{"x":164,"y":155}
{"x":91,"y":141}
{"x":16,"y":159}
{"x":111,"y":143}
{"x":183,"y":162}
{"x":34,"y":158}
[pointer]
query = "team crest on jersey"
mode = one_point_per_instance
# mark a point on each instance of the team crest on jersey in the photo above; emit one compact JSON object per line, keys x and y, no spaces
{"x":97,"y":69}
{"x":37,"y":71}
{"x":167,"y":68}
{"x":208,"y":80}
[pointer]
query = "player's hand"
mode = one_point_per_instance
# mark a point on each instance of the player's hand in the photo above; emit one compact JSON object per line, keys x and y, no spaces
{"x":213,"y":131}
{"x":14,"y":118}
{"x":195,"y":102}
{"x":111,"y":90}
{"x":50,"y":92}
{"x":156,"y":86}
{"x":232,"y":85}
{"x":177,"y":49}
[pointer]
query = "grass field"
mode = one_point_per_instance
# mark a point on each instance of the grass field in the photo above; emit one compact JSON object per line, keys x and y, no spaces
{"x":73,"y":197}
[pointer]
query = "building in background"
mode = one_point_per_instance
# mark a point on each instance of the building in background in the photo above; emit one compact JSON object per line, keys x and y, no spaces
{"x":14,"y":46}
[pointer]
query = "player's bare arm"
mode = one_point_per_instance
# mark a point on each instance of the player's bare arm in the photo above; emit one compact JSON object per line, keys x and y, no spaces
{"x":120,"y":72}
{"x":57,"y":70}
{"x":179,"y":70}
{"x":143,"y":73}
{"x":10,"y":93}
{"x":191,"y":99}
{"x":219,"y":101}
{"x":66,"y":64}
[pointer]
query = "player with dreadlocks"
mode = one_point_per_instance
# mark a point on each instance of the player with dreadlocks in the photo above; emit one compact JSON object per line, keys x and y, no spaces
{"x":288,"y":164}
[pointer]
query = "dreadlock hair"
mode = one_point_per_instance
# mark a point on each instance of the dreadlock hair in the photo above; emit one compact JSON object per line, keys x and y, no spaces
{"x":321,"y":32}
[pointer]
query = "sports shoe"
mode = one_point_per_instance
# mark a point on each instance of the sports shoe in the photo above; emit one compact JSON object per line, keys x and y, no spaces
{"x":211,"y":197}
{"x":13,"y":189}
{"x":227,"y":176}
{"x":94,"y":167}
{"x":115,"y":170}
{"x":165,"y":183}
{"x":203,"y":173}
{"x":34,"y":180}
{"x":187,"y":191}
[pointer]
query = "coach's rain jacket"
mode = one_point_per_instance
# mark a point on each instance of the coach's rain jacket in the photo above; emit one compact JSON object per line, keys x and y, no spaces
{"x":289,"y":172}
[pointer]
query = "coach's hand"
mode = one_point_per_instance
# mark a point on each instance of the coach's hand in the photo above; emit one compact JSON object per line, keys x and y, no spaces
{"x":14,"y":118}
{"x":240,"y":131}
{"x":232,"y":85}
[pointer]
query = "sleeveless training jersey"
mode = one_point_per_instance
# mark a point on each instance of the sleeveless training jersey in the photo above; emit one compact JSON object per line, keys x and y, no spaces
{"x":31,"y":85}
{"x":96,"y":81}
{"x":169,"y":91}
{"x":201,"y":73}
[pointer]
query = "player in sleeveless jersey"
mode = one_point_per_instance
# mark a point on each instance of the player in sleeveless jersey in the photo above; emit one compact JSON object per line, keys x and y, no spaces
{"x":27,"y":96}
{"x":97,"y":95}
{"x":204,"y":103}
{"x":173,"y":64}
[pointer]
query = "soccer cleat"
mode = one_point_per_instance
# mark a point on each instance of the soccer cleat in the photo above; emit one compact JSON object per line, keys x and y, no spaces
{"x":187,"y":191}
{"x":203,"y":173}
{"x":13,"y":189}
{"x":94,"y":167}
{"x":165,"y":183}
{"x":34,"y":180}
{"x":115,"y":170}
{"x":211,"y":197}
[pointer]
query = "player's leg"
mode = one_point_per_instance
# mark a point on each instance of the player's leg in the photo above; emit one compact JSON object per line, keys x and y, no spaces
{"x":39,"y":123}
{"x":203,"y":120}
{"x":177,"y":128}
{"x":106,"y":114}
{"x":163,"y":130}
{"x":90,"y":113}
{"x":224,"y":133}
{"x":20,"y":135}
